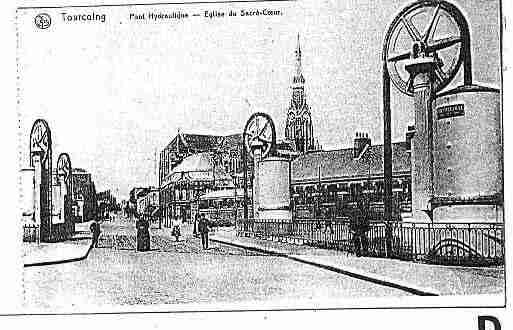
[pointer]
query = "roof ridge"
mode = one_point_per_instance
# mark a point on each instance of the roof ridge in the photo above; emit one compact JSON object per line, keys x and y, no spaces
{"x":340,"y":163}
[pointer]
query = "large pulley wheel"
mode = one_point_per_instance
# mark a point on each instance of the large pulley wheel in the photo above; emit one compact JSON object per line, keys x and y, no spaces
{"x":260,"y":132}
{"x":64,"y":166}
{"x":40,"y":141}
{"x":426,"y":28}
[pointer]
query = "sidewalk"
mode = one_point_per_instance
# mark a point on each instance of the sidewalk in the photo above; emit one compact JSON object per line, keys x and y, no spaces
{"x":421,"y":279}
{"x":42,"y":254}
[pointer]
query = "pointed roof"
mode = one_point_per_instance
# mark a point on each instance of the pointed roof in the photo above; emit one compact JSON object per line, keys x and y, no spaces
{"x":230,"y":142}
{"x":197,"y":167}
{"x":192,"y":142}
{"x":298,"y":77}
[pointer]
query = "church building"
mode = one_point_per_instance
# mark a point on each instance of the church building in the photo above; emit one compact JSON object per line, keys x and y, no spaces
{"x":299,"y":128}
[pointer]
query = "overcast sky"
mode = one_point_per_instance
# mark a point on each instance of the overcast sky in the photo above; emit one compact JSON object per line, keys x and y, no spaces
{"x":116,"y":92}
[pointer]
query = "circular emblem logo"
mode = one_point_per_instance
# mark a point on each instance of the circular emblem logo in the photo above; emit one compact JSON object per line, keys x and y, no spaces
{"x":43,"y":21}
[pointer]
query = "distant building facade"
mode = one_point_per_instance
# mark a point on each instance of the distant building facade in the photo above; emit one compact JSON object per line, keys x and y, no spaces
{"x":84,"y":193}
{"x":106,"y":202}
{"x":148,"y":201}
{"x":134,"y":195}
{"x":328,"y":183}
{"x":192,"y":165}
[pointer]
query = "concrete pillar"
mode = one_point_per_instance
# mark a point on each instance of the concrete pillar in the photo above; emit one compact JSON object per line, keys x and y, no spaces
{"x":62,"y":194}
{"x":421,"y":71}
{"x":37,"y":188}
{"x":256,"y":149}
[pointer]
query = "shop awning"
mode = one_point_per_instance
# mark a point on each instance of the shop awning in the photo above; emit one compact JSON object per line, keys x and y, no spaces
{"x":198,"y":167}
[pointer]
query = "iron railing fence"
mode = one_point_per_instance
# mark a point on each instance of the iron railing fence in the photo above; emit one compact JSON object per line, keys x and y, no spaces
{"x":60,"y":232}
{"x":31,"y":233}
{"x":441,"y":243}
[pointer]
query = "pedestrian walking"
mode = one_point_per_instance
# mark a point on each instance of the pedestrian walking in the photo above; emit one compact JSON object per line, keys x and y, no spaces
{"x":195,"y":227}
{"x":143,"y":235}
{"x":327,"y":223}
{"x":203,"y":227}
{"x":95,"y":230}
{"x":359,"y":226}
{"x":175,"y":223}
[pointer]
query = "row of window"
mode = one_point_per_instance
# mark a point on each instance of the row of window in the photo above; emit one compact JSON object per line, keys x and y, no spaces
{"x":220,"y":204}
{"x":374,"y":190}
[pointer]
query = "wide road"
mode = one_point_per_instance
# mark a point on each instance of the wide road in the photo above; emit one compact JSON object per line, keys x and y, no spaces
{"x":183,"y":273}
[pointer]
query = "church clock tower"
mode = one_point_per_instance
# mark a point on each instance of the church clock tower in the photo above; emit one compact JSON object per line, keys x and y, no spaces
{"x":299,"y":122}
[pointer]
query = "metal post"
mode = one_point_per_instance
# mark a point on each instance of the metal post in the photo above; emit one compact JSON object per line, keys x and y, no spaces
{"x":245,"y":168}
{"x":257,"y":157}
{"x":319,"y":189}
{"x":387,"y":160}
{"x":214,"y":169}
{"x":291,"y":201}
{"x":235,"y":201}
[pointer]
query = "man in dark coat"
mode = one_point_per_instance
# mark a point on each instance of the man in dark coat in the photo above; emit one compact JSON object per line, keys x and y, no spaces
{"x":95,"y":230}
{"x":327,"y":222}
{"x":359,"y":226}
{"x":195,"y":228}
{"x":143,"y":235}
{"x":203,"y":228}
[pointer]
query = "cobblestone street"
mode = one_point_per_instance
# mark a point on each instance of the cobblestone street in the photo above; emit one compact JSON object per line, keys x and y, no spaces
{"x":181,"y":273}
{"x":122,"y":236}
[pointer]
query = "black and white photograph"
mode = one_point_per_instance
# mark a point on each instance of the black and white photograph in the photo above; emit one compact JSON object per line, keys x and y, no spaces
{"x":260,"y":156}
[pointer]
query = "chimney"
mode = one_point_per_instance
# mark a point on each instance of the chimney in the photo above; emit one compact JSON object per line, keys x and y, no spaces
{"x":360,"y":142}
{"x":409,"y":136}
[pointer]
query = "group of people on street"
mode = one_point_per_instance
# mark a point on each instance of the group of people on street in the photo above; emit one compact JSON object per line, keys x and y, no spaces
{"x":359,"y":226}
{"x":201,"y":225}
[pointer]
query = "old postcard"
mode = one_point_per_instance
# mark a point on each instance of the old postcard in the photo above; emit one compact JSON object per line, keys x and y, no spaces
{"x":260,"y":155}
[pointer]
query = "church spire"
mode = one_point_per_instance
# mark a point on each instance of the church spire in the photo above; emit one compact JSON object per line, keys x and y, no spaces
{"x":298,"y":127}
{"x":298,"y":77}
{"x":298,"y":50}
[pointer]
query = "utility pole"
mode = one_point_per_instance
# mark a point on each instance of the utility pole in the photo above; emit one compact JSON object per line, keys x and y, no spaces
{"x":155,"y":168}
{"x":318,"y":206}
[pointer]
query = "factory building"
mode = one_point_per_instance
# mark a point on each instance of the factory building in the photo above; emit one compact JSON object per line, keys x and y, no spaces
{"x":328,"y":183}
{"x":84,"y":193}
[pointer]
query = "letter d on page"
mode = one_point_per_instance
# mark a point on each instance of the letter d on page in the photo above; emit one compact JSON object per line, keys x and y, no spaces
{"x":483,"y":320}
